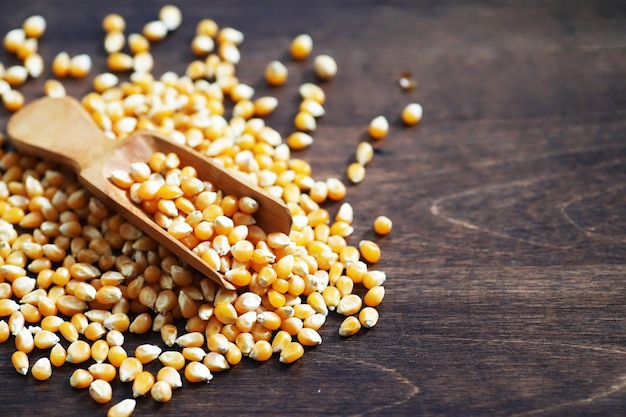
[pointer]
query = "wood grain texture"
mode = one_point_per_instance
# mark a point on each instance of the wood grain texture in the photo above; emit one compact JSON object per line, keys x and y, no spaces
{"x":505,"y":292}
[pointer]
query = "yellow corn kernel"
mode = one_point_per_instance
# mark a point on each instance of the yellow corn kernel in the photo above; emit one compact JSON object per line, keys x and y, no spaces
{"x":172,"y":359}
{"x":78,"y":352}
{"x":141,"y":324}
{"x":104,"y":371}
{"x":370,"y":251}
{"x":374,"y":278}
{"x":217,"y":343}
{"x":154,"y":30}
{"x":324,"y":67}
{"x":123,"y":408}
{"x":80,"y":66}
{"x":116,"y":355}
{"x":45,"y":339}
{"x":24,"y":340}
{"x":261,"y":351}
{"x":193,"y":353}
{"x":197,"y":372}
{"x":193,"y":339}
{"x":350,"y":326}
{"x":4,"y":331}
{"x":355,"y":172}
{"x":113,"y":22}
{"x":291,"y":352}
{"x":161,"y":391}
{"x":20,"y":362}
{"x":68,"y":331}
{"x":142,"y":383}
{"x":146,"y":352}
{"x":349,"y":304}
{"x":382,"y":225}
{"x":13,"y":100}
{"x":170,"y":376}
{"x":378,"y":128}
{"x":80,"y":379}
{"x":94,"y":331}
{"x":100,"y":391}
{"x":412,"y":114}
{"x":368,"y":317}
{"x":276,"y":73}
{"x":58,"y":355}
{"x":42,"y":369}
{"x":300,"y":140}
{"x":100,"y":350}
{"x":301,"y":46}
{"x":309,"y":337}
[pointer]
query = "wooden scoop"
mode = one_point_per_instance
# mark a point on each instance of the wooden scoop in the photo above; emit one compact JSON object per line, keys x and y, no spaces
{"x":61,"y":130}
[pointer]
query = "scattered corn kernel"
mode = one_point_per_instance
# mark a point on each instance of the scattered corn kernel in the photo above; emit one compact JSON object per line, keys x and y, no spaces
{"x":276,"y":73}
{"x":378,"y":127}
{"x":301,"y":46}
{"x":325,"y":67}
{"x":412,"y":114}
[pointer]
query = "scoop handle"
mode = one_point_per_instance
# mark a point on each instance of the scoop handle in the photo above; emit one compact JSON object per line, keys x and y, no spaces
{"x":58,"y":129}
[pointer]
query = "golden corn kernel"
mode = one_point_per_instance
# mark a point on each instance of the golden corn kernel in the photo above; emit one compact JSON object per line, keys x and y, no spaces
{"x":172,"y":359}
{"x":313,"y":92}
{"x":80,"y":379}
{"x":264,"y":106}
{"x":356,"y":172}
{"x":45,"y":339}
{"x":370,"y":251}
{"x":349,"y":304}
{"x":116,"y":355}
{"x":412,"y":114}
{"x":20,"y":362}
{"x":368,"y":317}
{"x":194,"y":339}
{"x":171,"y":376}
{"x":301,"y":46}
{"x":13,"y":39}
{"x":324,"y":67}
{"x":382,"y":225}
{"x":207,"y":27}
{"x":261,"y":351}
{"x":276,"y":73}
{"x":197,"y":372}
{"x":4,"y":331}
{"x":104,"y":371}
{"x":100,"y":391}
{"x":24,"y":341}
{"x":100,"y":350}
{"x":378,"y":128}
{"x":78,"y":352}
{"x":304,"y":121}
{"x":42,"y":369}
{"x":138,"y":43}
{"x":123,"y":408}
{"x":13,"y":100}
{"x":161,"y":391}
{"x":142,"y":384}
{"x":171,"y":16}
{"x":291,"y":352}
{"x":155,"y":30}
{"x":309,"y":337}
{"x":299,"y":140}
{"x":350,"y":326}
{"x":129,"y":369}
{"x":374,"y":296}
{"x":80,"y":66}
{"x":146,"y":352}
{"x":113,"y":22}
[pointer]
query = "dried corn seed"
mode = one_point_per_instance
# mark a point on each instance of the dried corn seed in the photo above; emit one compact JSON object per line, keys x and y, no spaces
{"x":172,"y":359}
{"x":325,"y":67}
{"x":155,"y":30}
{"x":412,"y":114}
{"x":171,"y":17}
{"x":197,"y":372}
{"x":100,"y":391}
{"x":161,"y":391}
{"x":13,"y":100}
{"x":123,"y":408}
{"x":20,"y":362}
{"x":291,"y":352}
{"x":113,"y":22}
{"x":301,"y":47}
{"x":276,"y":73}
{"x":171,"y":376}
{"x":104,"y":371}
{"x":382,"y":225}
{"x":349,"y":326}
{"x":378,"y":128}
{"x":78,"y":352}
{"x":129,"y":369}
{"x":13,"y":39}
{"x":80,"y":379}
{"x":80,"y":66}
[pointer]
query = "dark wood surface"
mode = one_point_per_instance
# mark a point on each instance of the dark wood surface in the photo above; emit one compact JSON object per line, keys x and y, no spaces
{"x":505,"y":291}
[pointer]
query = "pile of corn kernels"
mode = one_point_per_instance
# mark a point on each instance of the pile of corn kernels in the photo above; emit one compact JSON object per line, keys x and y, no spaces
{"x":77,"y":278}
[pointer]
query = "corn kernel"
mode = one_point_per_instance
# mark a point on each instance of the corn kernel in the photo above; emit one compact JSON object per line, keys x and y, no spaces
{"x":276,"y":73}
{"x":100,"y":391}
{"x":325,"y":67}
{"x":378,"y":128}
{"x":412,"y":114}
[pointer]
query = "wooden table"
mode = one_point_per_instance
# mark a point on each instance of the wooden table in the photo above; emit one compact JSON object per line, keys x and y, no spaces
{"x":505,"y":291}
